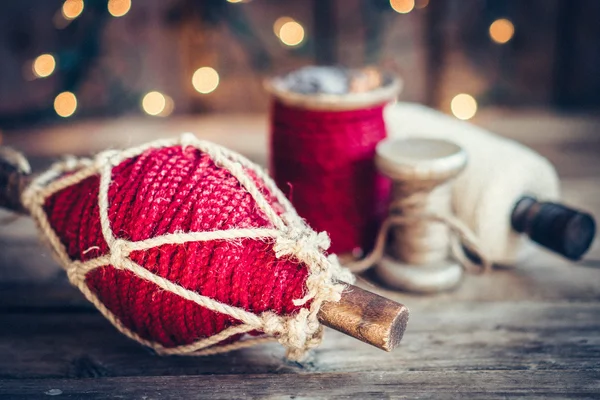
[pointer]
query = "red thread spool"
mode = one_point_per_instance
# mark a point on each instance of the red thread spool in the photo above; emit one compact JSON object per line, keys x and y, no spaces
{"x":322,"y":157}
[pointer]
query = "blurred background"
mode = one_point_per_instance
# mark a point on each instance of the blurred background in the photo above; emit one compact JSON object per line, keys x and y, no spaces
{"x":80,"y":76}
{"x":68,"y":60}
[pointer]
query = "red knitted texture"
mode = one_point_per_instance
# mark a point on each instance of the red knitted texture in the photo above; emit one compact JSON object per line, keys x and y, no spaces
{"x":172,"y":190}
{"x":323,"y":160}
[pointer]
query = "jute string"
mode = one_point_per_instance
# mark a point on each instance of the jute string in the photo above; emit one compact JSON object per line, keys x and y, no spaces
{"x":424,"y":231}
{"x":292,"y":237}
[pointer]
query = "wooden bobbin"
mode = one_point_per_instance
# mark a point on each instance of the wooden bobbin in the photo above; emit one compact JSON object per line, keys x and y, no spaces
{"x":422,"y":171}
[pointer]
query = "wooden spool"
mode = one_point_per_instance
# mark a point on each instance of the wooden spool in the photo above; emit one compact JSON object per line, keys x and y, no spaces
{"x":421,"y":171}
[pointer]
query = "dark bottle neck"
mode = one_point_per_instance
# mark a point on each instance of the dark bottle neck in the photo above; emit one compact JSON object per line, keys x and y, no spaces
{"x":555,"y":226}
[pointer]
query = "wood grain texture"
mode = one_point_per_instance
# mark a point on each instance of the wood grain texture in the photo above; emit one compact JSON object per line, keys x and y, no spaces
{"x":371,"y":385}
{"x":76,"y":341}
{"x":530,"y":332}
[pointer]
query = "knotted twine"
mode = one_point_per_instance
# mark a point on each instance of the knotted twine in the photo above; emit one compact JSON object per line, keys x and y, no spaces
{"x":185,"y":246}
{"x":428,"y":243}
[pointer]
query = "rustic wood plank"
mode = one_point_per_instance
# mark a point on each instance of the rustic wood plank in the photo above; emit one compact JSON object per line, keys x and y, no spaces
{"x":374,"y":385}
{"x":442,"y":336}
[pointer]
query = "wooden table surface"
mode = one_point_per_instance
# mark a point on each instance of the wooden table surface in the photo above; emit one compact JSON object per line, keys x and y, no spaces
{"x":531,"y":332}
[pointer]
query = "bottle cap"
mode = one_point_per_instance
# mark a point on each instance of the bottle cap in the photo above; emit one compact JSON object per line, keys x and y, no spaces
{"x":555,"y":226}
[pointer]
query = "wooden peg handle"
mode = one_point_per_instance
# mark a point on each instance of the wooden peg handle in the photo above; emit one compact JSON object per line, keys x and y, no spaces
{"x":367,"y":317}
{"x":361,"y":314}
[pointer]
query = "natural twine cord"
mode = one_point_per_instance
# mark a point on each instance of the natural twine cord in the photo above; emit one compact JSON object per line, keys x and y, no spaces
{"x":463,"y":236}
{"x":415,"y":211}
{"x":293,"y":238}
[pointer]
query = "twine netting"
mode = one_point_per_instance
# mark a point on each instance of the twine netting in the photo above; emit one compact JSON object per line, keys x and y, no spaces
{"x":187,"y":248}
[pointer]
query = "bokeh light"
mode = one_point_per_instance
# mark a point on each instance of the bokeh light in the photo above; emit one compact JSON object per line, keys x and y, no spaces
{"x":279,"y":22}
{"x":43,"y":65}
{"x":463,"y":106}
{"x":65,"y":104}
{"x":154,"y":103}
{"x":402,"y":6}
{"x":502,"y":30}
{"x":71,"y":9}
{"x":205,"y":80}
{"x":235,"y":1}
{"x":118,"y":8}
{"x":291,"y":33}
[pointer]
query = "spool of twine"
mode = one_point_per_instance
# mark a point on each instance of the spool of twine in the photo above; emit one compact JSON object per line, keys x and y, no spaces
{"x":421,"y":241}
{"x":421,"y":232}
{"x":185,"y":247}
{"x":322,"y":154}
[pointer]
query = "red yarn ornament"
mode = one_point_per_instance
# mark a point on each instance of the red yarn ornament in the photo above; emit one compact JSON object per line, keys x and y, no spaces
{"x":172,"y":190}
{"x":185,"y":246}
{"x":324,"y":162}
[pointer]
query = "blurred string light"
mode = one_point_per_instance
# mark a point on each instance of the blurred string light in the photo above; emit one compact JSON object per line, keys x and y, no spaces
{"x":118,"y":8}
{"x":290,"y":32}
{"x":502,"y":30}
{"x":279,"y":22}
{"x":463,"y":106}
{"x":43,"y":65}
{"x":71,"y":9}
{"x":205,"y":80}
{"x":158,"y":104}
{"x":402,"y":6}
{"x":154,"y":103}
{"x":65,"y":104}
